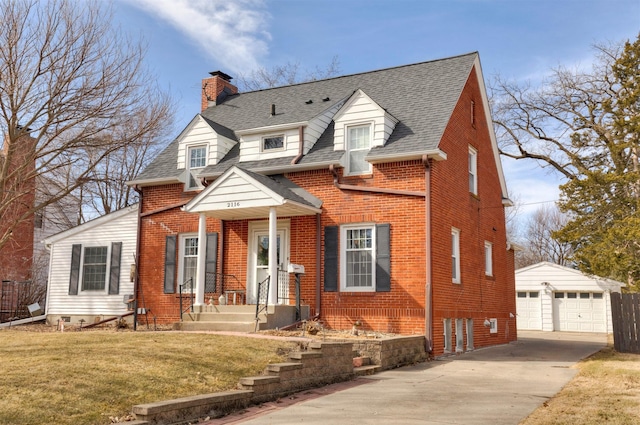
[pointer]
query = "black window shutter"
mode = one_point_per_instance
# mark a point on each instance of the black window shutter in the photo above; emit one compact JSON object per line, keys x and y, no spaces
{"x":76,"y":251}
{"x":114,"y":268}
{"x":331,"y":258}
{"x":211,"y":262}
{"x":170,"y":265}
{"x":383,"y":258}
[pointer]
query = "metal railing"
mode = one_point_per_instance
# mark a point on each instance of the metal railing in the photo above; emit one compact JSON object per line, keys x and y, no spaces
{"x":262,"y":299}
{"x":189,"y":284}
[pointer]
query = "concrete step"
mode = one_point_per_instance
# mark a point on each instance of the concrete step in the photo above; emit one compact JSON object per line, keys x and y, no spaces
{"x":217,"y":326}
{"x":244,"y":308}
{"x":366,"y":370}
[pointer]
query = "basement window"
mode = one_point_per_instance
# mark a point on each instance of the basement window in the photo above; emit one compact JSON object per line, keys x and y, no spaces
{"x":459,"y":336}
{"x":447,"y":335}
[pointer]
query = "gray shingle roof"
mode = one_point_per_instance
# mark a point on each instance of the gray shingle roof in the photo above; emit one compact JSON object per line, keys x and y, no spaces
{"x":421,"y":96}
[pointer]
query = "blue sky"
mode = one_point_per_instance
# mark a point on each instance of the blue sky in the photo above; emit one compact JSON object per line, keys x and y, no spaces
{"x":517,"y":39}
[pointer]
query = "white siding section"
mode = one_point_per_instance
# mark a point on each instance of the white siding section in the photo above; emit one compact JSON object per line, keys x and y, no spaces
{"x":549,"y":278}
{"x":197,"y":133}
{"x":251,"y":145}
{"x":235,"y":192}
{"x":98,"y":304}
{"x":361,"y":109}
{"x":317,"y":126}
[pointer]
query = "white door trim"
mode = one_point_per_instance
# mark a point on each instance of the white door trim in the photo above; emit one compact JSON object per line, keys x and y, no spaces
{"x":283,"y":228}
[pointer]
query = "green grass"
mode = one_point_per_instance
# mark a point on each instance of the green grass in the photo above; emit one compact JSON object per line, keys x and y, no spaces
{"x":88,"y":377}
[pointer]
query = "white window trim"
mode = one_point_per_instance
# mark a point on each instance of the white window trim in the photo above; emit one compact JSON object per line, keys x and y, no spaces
{"x":455,"y":255}
{"x":347,"y":129}
{"x":181,"y":247}
{"x":473,"y":169}
{"x":188,"y":166}
{"x":81,"y":271}
{"x":493,"y":326}
{"x":488,"y":258}
{"x":343,"y":257}
{"x":271,"y":136}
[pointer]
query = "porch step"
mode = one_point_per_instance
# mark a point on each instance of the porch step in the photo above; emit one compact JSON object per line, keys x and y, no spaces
{"x":220,"y":317}
{"x":238,"y":318}
{"x":217,"y":326}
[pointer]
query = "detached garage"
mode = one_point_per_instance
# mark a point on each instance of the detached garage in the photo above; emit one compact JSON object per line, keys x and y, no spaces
{"x":550,"y":297}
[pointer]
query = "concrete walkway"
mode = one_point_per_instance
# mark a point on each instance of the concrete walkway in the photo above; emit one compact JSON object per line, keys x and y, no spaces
{"x":492,"y":386}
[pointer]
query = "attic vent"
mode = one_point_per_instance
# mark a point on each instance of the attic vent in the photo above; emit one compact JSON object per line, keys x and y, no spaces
{"x":326,"y":99}
{"x":273,"y":109}
{"x":309,"y":102}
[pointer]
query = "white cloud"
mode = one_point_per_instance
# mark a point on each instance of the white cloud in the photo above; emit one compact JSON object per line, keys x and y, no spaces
{"x":233,"y":33}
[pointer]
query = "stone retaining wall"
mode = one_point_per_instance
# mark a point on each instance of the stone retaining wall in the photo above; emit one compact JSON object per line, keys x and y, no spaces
{"x":323,"y":362}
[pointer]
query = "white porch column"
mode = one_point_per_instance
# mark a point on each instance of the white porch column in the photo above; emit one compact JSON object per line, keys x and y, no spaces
{"x":202,"y":256}
{"x":273,"y":256}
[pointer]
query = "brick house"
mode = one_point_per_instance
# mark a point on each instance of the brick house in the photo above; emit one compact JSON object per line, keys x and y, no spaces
{"x":386,"y":186}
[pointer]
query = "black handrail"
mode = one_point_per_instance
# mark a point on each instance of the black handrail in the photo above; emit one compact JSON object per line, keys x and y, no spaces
{"x":262,"y":298}
{"x":190,"y":282}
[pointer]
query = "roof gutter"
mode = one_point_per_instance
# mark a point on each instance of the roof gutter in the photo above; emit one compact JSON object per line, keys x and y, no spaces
{"x":341,"y":186}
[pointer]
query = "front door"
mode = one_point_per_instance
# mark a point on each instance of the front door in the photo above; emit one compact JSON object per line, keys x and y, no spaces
{"x":259,"y":261}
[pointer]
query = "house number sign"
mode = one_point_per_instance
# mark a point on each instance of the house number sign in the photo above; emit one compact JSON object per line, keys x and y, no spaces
{"x":233,"y":204}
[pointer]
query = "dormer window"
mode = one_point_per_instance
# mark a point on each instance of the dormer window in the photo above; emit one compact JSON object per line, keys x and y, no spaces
{"x":273,"y":143}
{"x":358,"y":145}
{"x":197,"y":158}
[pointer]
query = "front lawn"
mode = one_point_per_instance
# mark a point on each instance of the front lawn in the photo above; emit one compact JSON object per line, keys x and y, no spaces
{"x":93,"y":377}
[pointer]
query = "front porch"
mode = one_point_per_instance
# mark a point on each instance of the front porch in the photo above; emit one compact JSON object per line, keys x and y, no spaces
{"x":258,"y":216}
{"x":226,"y":307}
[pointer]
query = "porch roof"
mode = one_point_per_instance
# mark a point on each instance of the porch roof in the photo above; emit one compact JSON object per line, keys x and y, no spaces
{"x":241,"y":194}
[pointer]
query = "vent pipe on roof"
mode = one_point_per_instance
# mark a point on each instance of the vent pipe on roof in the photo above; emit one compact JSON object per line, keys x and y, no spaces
{"x":273,"y":109}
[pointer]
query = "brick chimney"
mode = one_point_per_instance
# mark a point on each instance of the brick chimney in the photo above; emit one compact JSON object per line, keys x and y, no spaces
{"x":216,"y":88}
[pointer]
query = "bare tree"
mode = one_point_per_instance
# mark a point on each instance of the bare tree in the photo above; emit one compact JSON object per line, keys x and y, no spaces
{"x":539,"y":241}
{"x":289,"y":73}
{"x":73,"y":92}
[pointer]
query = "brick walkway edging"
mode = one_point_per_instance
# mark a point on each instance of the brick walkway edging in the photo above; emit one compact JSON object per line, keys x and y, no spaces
{"x":323,"y":363}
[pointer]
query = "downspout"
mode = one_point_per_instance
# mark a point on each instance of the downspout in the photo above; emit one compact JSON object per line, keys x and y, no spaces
{"x":221,"y":239}
{"x":318,"y":265}
{"x":428,"y":290}
{"x":136,"y":283}
{"x":295,"y":160}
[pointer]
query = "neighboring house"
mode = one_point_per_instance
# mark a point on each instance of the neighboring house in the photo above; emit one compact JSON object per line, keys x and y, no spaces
{"x":386,"y":186}
{"x":551,"y":297}
{"x":90,"y":269}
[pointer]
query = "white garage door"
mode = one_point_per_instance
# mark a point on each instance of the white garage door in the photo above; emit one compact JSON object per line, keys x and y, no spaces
{"x":529,"y":310}
{"x":579,"y":312}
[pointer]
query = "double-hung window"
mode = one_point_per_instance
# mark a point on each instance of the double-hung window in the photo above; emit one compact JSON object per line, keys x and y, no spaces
{"x":359,"y":258}
{"x":455,"y":255}
{"x":358,"y":145}
{"x":189,"y":260}
{"x":94,"y":269}
{"x":196,"y":158}
{"x":473,"y":170}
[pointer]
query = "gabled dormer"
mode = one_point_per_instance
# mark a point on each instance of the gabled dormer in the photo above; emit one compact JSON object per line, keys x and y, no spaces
{"x":200,"y":145}
{"x":360,"y":125}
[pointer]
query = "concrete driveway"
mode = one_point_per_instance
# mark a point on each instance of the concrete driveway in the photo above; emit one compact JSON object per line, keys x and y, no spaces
{"x":492,"y":386}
